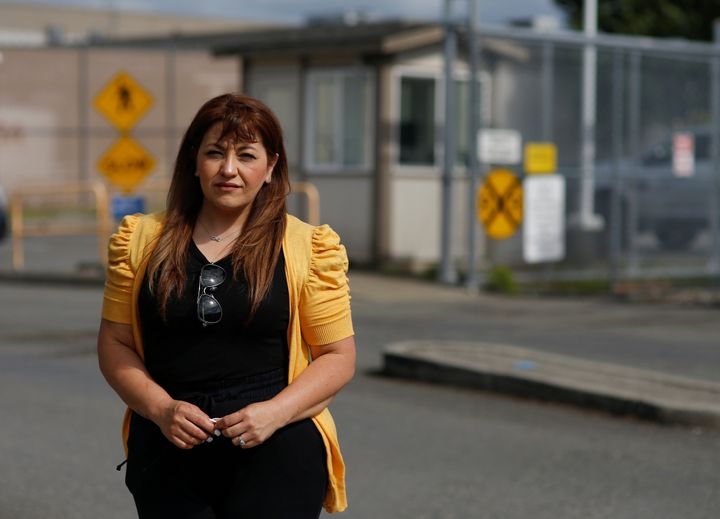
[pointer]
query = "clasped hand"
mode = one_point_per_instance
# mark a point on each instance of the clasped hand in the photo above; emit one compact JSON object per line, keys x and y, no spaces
{"x":186,"y":425}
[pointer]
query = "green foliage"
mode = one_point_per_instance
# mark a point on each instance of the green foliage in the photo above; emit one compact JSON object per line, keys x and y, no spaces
{"x":500,"y":279}
{"x":690,"y":19}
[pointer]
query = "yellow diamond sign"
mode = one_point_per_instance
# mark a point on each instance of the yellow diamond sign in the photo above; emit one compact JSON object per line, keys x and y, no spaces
{"x":126,"y":164}
{"x":123,"y":101}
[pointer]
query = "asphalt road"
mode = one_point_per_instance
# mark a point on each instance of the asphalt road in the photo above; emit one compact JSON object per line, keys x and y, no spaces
{"x":413,"y":450}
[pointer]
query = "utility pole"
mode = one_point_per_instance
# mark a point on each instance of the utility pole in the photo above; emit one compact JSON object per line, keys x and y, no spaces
{"x":587,"y":219}
{"x":471,"y":281}
{"x":448,"y":273}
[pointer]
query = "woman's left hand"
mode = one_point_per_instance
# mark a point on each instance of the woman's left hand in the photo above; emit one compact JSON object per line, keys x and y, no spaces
{"x":252,"y":424}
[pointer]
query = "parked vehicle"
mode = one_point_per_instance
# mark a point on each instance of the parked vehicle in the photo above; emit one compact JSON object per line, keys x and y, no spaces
{"x":675,"y":208}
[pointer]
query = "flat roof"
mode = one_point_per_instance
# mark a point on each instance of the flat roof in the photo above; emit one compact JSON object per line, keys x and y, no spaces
{"x":372,"y":38}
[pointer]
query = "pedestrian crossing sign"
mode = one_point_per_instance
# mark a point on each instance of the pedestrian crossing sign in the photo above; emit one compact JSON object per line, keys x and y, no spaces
{"x":123,"y":101}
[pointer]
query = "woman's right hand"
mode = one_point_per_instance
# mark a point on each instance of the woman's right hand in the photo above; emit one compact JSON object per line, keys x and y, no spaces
{"x":184,"y":424}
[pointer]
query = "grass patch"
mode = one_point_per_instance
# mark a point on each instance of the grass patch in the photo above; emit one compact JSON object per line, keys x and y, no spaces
{"x":500,"y":279}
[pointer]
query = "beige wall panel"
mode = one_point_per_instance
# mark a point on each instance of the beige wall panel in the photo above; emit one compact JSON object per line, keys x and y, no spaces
{"x":346,"y":205}
{"x":38,"y":113}
{"x":278,"y":85}
{"x":41,"y":115}
{"x":199,"y":77}
{"x":45,"y":80}
{"x":30,"y":151}
{"x":415,"y":219}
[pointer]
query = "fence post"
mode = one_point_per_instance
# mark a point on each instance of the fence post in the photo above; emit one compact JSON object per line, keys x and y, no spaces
{"x":616,"y":212}
{"x":448,"y":273}
{"x":635,"y":109}
{"x":587,"y":219}
{"x":16,"y":226}
{"x":471,"y":278}
{"x":313,"y":200}
{"x":104,"y":220}
{"x":714,"y":263}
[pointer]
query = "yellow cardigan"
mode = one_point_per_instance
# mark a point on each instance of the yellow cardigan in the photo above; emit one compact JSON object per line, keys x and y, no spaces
{"x":316,"y":271}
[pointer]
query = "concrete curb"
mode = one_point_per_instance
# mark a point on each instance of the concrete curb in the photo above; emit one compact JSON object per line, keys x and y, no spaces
{"x":52,"y":278}
{"x":527,"y":373}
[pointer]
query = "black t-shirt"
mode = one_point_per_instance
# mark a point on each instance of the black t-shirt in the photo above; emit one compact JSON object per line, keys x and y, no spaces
{"x":181,"y":353}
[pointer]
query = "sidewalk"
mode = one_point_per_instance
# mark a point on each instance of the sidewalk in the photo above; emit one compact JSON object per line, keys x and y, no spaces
{"x":633,"y":339}
{"x":530,"y":365}
{"x":543,"y":376}
{"x":54,"y":259}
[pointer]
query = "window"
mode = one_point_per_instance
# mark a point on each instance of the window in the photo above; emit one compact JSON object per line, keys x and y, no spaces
{"x":417,"y":121}
{"x":702,"y":146}
{"x":340,"y":114}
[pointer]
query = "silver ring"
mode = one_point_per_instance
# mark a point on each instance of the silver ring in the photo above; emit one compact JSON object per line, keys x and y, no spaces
{"x":241,"y":442}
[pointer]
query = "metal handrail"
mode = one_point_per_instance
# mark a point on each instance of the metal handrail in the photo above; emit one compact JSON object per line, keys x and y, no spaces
{"x":306,"y":188}
{"x":313,"y":197}
{"x":101,"y":227}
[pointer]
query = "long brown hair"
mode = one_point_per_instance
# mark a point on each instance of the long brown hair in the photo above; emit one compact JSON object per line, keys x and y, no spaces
{"x":256,"y":251}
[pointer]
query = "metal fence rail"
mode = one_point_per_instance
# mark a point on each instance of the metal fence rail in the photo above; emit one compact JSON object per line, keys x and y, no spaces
{"x":100,"y":226}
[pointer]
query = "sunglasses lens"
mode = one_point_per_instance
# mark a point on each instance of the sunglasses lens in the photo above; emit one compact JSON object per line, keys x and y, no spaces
{"x":209,"y":309}
{"x":212,"y":275}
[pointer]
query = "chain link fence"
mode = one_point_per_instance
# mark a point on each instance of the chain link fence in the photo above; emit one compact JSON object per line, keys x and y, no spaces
{"x":655,"y":175}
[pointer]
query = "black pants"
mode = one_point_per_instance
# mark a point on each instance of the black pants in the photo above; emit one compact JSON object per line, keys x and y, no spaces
{"x":285,"y":477}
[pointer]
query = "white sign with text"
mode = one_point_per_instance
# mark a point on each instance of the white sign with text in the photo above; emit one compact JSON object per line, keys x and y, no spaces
{"x":499,"y":146}
{"x":544,"y":224}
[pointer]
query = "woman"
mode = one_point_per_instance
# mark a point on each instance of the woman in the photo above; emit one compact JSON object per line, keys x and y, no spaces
{"x":226,"y":330}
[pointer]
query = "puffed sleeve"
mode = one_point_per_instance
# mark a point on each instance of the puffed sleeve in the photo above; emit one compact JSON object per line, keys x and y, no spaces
{"x":325,"y":298}
{"x":119,"y":279}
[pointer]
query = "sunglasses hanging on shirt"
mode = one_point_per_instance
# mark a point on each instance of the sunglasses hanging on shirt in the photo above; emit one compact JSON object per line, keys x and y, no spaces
{"x":209,"y":310}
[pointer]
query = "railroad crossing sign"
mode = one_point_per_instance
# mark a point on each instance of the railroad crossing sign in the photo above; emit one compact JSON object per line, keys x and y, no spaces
{"x":126,"y":164}
{"x":500,"y":204}
{"x":123,"y":101}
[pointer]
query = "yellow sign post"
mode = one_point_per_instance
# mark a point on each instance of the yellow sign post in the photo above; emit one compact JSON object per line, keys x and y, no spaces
{"x":123,"y":101}
{"x":500,"y":204}
{"x":126,"y":164}
{"x":540,"y":157}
